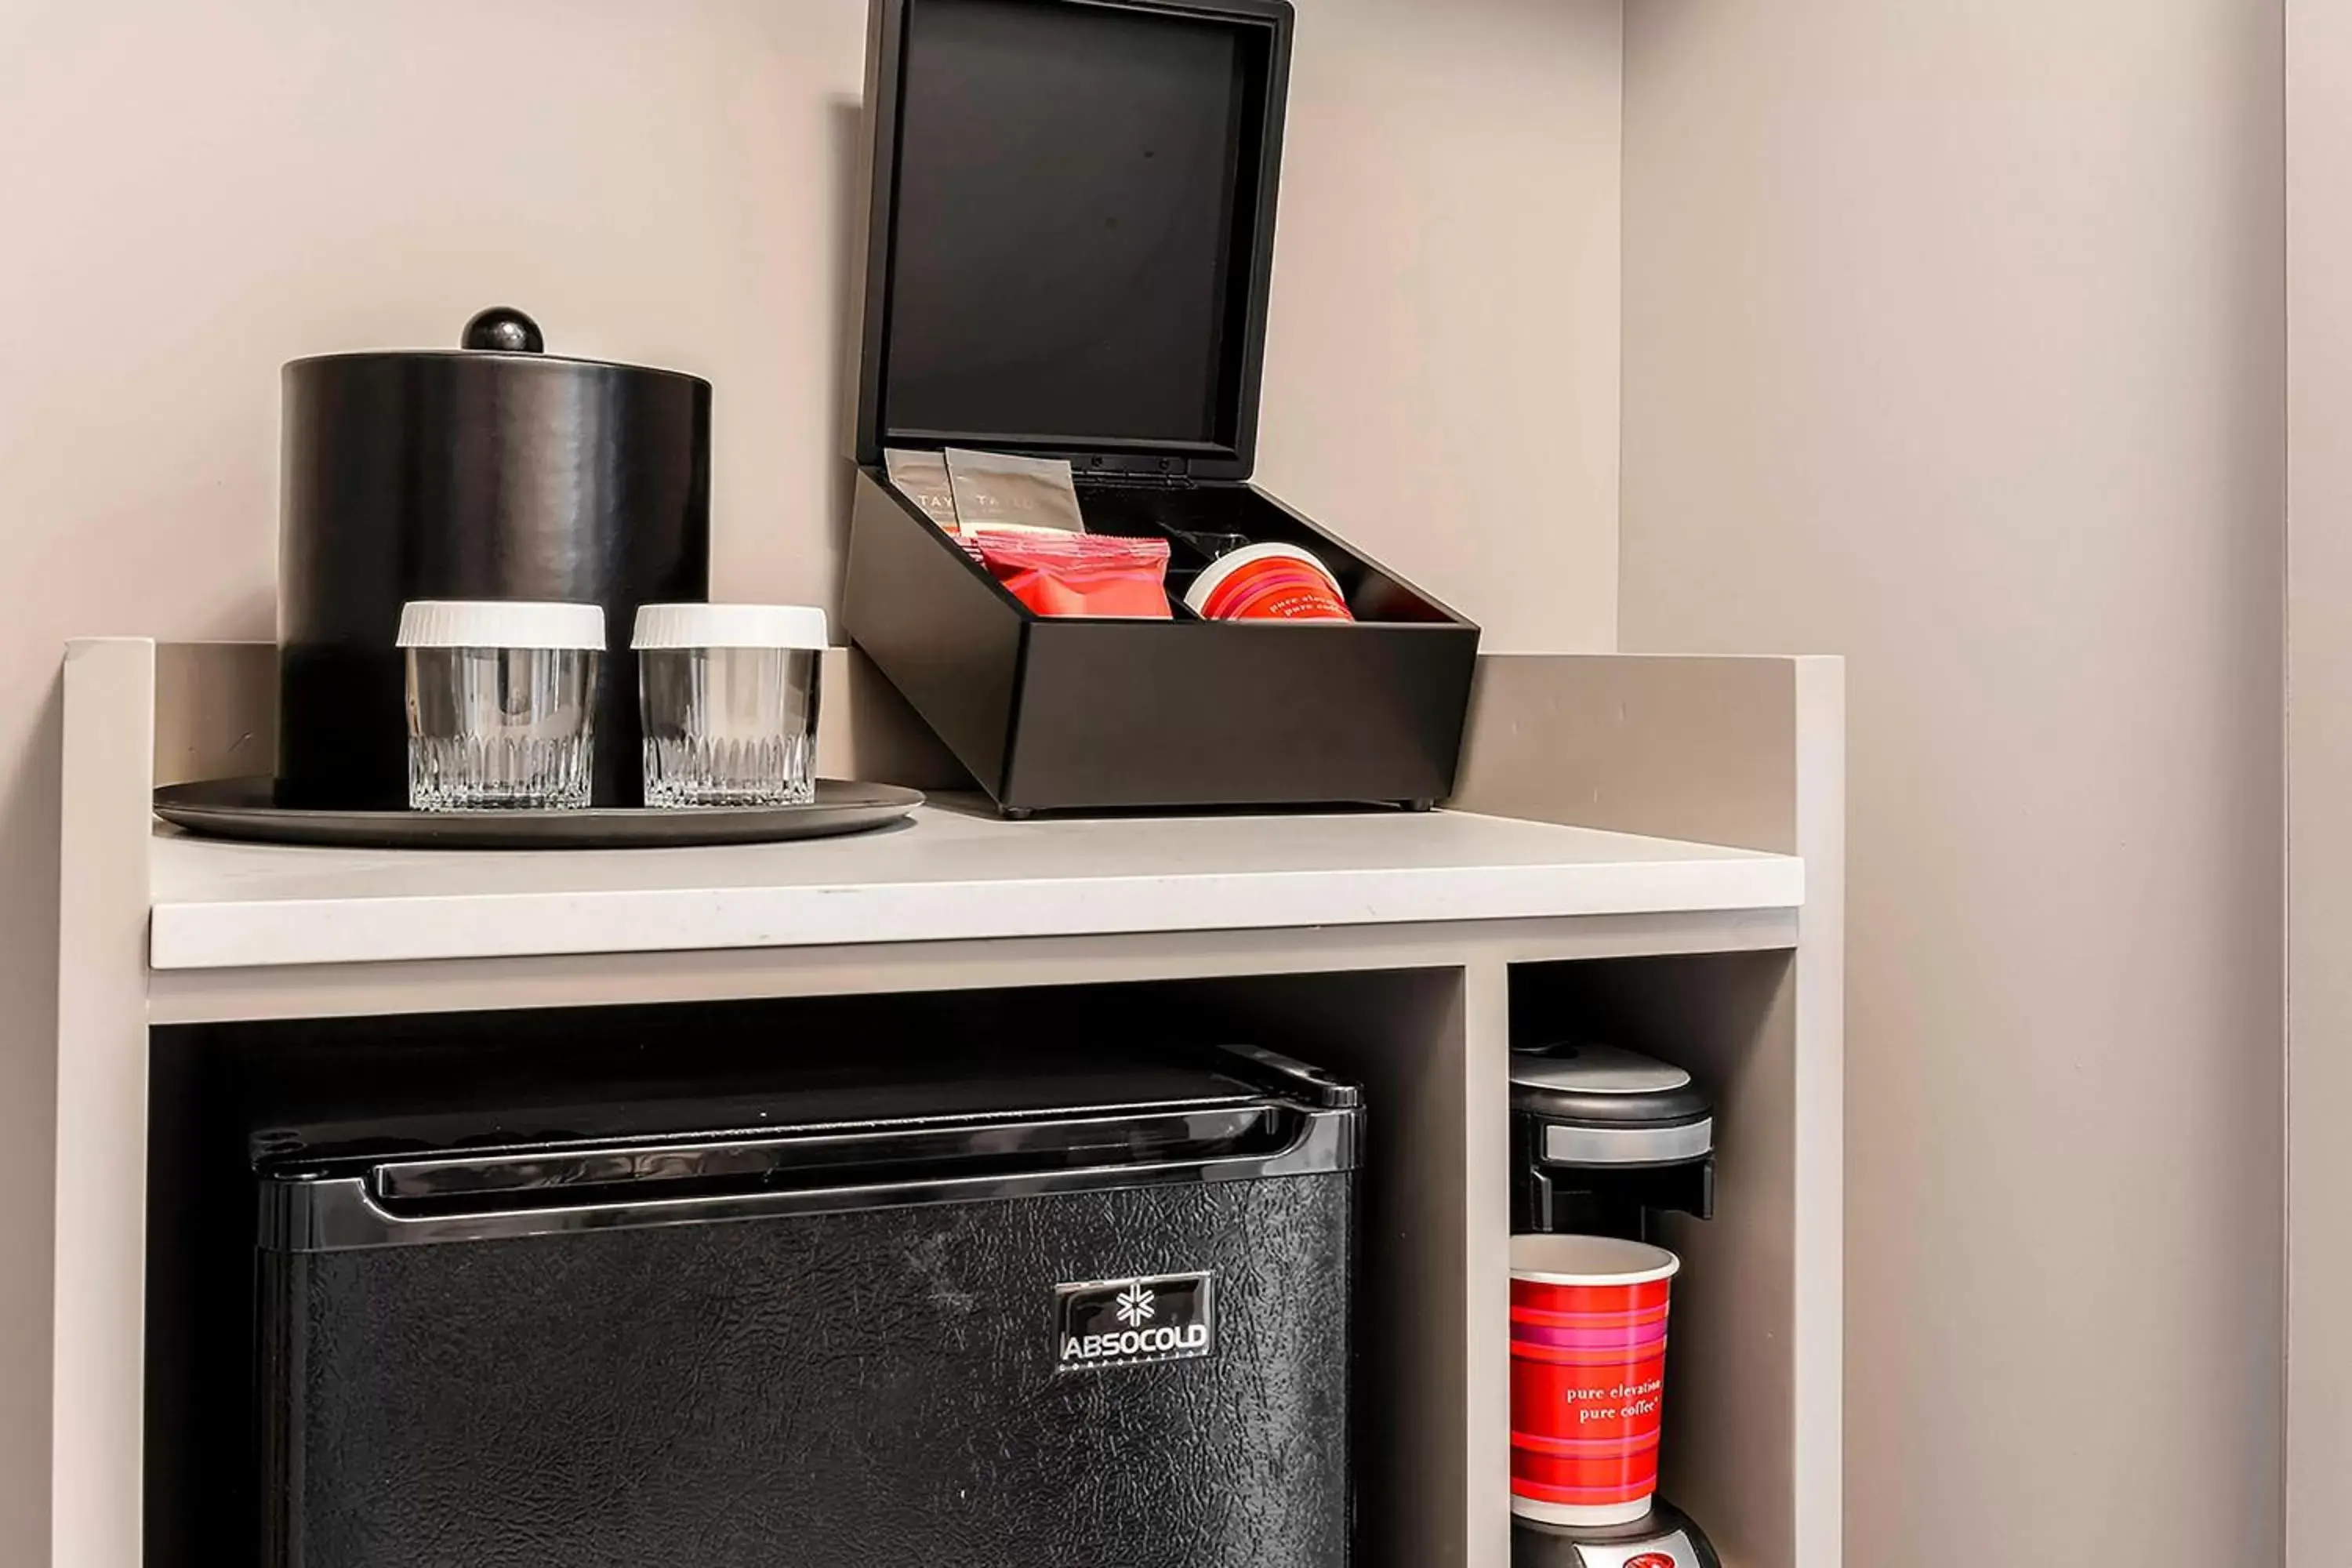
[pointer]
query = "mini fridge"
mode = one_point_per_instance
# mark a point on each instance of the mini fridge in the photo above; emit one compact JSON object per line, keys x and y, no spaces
{"x":939,"y":1306}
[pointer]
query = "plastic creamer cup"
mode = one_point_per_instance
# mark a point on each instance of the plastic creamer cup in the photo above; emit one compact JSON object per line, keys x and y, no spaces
{"x":1267,"y":583}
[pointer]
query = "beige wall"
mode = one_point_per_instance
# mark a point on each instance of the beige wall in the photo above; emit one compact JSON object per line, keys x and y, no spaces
{"x":190,"y":194}
{"x":2319,"y":781}
{"x":1442,"y":366}
{"x":1953,"y":344}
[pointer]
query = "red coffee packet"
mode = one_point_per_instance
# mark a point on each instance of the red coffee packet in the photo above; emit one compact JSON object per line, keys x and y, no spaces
{"x":1079,"y":573}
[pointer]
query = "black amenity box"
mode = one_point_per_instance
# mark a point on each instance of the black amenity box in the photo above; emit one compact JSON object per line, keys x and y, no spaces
{"x":1067,"y":254}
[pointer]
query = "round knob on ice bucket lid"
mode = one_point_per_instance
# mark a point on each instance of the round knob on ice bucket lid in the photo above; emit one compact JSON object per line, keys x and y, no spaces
{"x":502,"y":329}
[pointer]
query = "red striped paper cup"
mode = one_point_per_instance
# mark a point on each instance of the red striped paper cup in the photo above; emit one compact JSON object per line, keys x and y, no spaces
{"x":1267,"y":583}
{"x":1588,"y":1376}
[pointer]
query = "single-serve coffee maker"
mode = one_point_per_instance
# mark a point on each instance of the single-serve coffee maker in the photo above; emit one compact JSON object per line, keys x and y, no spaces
{"x":1603,"y":1141}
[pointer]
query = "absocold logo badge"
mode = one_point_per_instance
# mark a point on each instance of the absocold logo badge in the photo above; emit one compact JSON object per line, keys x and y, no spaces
{"x":1130,"y":1322}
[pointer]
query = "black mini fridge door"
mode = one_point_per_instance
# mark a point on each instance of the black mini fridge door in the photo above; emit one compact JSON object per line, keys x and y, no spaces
{"x":1103,"y":1334}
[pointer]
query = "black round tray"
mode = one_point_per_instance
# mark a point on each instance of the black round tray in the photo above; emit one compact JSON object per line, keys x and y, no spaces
{"x":242,"y":808}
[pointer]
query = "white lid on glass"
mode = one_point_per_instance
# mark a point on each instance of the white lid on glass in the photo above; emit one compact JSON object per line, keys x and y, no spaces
{"x":500,"y":622}
{"x":729,"y":626}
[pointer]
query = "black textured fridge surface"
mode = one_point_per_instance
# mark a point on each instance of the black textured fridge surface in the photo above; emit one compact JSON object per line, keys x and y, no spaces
{"x":871,"y":1388}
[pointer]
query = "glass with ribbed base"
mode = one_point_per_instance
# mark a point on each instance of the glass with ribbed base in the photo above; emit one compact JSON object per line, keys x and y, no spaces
{"x":728,"y":726}
{"x":500,"y":727}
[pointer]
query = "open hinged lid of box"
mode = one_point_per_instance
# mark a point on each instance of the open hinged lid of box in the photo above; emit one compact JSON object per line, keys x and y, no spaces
{"x":1069,"y":251}
{"x":1071,"y":234}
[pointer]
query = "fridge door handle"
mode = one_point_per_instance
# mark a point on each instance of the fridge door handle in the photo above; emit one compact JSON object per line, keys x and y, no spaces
{"x":335,"y":1213}
{"x":1310,"y":1084}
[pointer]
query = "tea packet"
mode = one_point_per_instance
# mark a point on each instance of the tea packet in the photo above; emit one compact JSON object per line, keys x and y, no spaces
{"x":996,"y":492}
{"x":922,"y":478}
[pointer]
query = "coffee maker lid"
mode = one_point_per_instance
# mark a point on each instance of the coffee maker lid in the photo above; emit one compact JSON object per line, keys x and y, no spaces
{"x":1583,"y":1081}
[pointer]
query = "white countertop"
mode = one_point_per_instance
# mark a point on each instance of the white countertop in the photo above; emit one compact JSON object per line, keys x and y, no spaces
{"x":952,"y":873}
